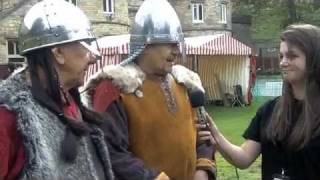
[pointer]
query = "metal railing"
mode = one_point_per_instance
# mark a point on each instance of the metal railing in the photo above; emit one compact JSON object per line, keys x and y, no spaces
{"x":268,"y":86}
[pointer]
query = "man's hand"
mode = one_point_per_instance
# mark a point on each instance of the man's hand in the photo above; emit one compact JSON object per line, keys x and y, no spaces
{"x":208,"y":131}
{"x":201,"y":175}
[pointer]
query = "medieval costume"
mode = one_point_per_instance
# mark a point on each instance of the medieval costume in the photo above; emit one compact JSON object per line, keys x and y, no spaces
{"x":153,"y":135}
{"x":155,"y":122}
{"x":34,"y":150}
{"x":45,"y":130}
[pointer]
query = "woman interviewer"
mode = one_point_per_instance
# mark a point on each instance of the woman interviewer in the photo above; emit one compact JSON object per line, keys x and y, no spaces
{"x":285,"y":130}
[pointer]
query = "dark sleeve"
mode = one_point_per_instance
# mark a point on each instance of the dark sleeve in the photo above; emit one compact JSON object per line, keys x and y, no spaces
{"x":253,"y":132}
{"x":125,"y":165}
{"x":206,"y":160}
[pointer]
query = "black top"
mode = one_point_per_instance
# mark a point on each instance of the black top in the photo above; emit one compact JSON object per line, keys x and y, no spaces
{"x":303,"y":164}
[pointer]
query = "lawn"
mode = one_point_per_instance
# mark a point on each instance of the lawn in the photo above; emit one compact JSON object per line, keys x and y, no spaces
{"x":232,"y":122}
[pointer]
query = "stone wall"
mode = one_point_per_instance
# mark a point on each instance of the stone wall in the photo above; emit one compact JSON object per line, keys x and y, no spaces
{"x":9,"y":31}
{"x":133,"y":8}
{"x":103,"y":24}
{"x":211,"y":24}
{"x":12,"y":11}
{"x":211,"y":14}
{"x":241,"y":29}
{"x":11,"y":14}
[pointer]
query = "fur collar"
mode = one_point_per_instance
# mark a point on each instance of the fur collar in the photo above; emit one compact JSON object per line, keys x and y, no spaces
{"x":42,"y":132}
{"x":129,"y":79}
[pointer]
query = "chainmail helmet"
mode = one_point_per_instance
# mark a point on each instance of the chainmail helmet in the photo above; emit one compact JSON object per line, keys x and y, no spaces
{"x":52,"y":22}
{"x":155,"y":22}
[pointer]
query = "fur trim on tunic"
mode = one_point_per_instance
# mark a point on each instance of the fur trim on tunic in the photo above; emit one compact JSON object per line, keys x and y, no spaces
{"x":188,"y":78}
{"x":130,"y":78}
{"x":42,"y":133}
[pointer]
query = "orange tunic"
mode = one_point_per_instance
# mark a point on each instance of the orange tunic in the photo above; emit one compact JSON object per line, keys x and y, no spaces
{"x":163,"y":140}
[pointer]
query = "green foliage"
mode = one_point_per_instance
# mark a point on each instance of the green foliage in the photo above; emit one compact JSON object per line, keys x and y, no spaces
{"x":247,"y":7}
{"x":269,"y":17}
{"x":268,"y":23}
{"x":308,"y":13}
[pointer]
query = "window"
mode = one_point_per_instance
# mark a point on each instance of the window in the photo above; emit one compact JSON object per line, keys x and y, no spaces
{"x":72,"y":1}
{"x":223,"y":15}
{"x":13,"y":53}
{"x":108,"y":6}
{"x":197,"y":12}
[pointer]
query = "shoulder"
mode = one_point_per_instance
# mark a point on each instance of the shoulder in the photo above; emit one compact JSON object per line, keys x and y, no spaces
{"x":109,"y":82}
{"x":264,"y":113}
{"x":258,"y":123}
{"x":126,"y":78}
{"x":105,"y":93}
{"x":6,"y":90}
{"x":267,"y":107}
{"x":14,"y":89}
{"x":191,"y":80}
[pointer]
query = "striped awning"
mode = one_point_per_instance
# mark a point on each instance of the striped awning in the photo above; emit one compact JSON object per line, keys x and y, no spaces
{"x":114,"y":45}
{"x":115,"y":48}
{"x":219,"y":44}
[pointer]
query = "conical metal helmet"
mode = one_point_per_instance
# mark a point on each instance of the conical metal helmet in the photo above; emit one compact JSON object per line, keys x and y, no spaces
{"x":155,"y":22}
{"x":53,"y":22}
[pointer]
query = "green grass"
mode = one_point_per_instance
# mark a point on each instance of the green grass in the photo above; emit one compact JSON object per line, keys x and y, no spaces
{"x":232,"y":122}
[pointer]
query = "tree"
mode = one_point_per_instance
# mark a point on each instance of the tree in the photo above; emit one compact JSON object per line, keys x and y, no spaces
{"x":270,"y":17}
{"x":292,"y":14}
{"x":252,"y":6}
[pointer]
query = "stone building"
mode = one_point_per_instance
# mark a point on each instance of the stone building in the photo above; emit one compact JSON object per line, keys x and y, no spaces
{"x":204,"y":17}
{"x":133,"y":6}
{"x":198,"y":17}
{"x":108,"y":17}
{"x":11,"y":12}
{"x":241,"y":25}
{"x":113,"y":17}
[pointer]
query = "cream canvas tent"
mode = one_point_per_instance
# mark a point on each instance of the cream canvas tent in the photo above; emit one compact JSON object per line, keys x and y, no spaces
{"x":221,"y":61}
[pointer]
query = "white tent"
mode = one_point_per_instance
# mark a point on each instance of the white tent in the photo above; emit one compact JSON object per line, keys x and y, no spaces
{"x":222,"y":62}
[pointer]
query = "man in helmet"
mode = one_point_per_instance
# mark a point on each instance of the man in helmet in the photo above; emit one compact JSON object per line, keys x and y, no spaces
{"x":147,"y":95}
{"x":45,"y":131}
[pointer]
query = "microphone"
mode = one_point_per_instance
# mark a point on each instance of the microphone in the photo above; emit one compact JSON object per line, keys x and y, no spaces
{"x":197,"y":100}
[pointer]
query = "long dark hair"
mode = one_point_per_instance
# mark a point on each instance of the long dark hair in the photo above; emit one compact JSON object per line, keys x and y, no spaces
{"x":50,"y":97}
{"x":281,"y":128}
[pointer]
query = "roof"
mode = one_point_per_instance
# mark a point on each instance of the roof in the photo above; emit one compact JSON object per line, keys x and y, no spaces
{"x":219,"y":44}
{"x":114,"y":44}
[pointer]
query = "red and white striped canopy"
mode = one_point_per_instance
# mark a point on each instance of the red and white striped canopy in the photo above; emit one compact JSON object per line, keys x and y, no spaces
{"x":219,"y":44}
{"x":115,"y":48}
{"x":114,"y":45}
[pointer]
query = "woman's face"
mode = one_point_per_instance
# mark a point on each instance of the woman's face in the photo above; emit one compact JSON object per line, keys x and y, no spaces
{"x":73,"y":60}
{"x":292,"y":63}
